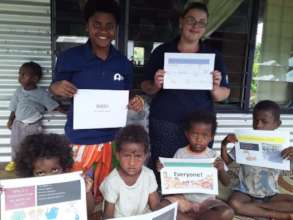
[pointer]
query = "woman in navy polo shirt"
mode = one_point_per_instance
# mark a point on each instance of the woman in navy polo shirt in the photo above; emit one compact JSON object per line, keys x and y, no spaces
{"x":170,"y":107}
{"x":94,"y":65}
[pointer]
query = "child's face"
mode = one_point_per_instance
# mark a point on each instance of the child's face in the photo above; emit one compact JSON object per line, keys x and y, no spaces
{"x":265,"y":120}
{"x":47,"y":166}
{"x":101,"y":28}
{"x":131,"y":158}
{"x":199,"y":136}
{"x":27,"y":79}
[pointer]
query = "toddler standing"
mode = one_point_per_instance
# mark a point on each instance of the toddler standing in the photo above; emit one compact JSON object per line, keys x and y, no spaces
{"x":28,"y":104}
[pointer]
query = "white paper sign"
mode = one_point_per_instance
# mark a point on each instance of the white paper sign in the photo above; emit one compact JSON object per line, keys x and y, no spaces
{"x":55,"y":197}
{"x":190,"y":71}
{"x":186,"y":176}
{"x":100,"y":109}
{"x":167,"y":213}
{"x":262,"y":148}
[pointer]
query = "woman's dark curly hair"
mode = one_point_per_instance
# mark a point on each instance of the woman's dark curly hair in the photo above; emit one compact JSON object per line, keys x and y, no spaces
{"x":46,"y":146}
{"x":132,"y":134}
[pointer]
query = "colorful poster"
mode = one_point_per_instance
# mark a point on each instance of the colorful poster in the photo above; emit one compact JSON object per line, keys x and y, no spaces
{"x":190,"y":71}
{"x":262,"y":148}
{"x":188,"y":176}
{"x":167,"y":213}
{"x":55,"y":197}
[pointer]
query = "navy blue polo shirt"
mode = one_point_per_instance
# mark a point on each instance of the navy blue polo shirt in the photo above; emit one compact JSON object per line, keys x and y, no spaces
{"x":173,"y":105}
{"x":86,"y":71}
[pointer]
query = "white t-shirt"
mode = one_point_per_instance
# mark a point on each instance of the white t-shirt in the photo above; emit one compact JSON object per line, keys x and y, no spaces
{"x":129,"y":200}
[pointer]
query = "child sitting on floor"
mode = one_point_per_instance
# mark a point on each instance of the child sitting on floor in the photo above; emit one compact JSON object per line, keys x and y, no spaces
{"x":199,"y":131}
{"x":48,"y":154}
{"x":130,"y":189}
{"x":257,"y":194}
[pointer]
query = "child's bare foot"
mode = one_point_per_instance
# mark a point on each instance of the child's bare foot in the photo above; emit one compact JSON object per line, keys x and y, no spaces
{"x":195,"y":207}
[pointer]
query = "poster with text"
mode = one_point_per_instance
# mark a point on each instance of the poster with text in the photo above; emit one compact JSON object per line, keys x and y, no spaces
{"x":56,"y":197}
{"x":188,"y":176}
{"x":262,"y":148}
{"x":188,"y":71}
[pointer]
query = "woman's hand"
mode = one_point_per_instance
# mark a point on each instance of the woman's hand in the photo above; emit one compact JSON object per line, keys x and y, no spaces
{"x":63,"y":88}
{"x":219,"y":93}
{"x":217,"y":78}
{"x":159,"y":78}
{"x":136,"y":103}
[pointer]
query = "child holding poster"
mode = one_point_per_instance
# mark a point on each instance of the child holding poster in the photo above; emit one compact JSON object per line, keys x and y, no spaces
{"x":199,"y":131}
{"x":49,"y":154}
{"x":257,"y":194}
{"x":130,"y":189}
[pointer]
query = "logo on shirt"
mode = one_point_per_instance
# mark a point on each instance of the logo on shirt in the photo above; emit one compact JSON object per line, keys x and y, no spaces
{"x":118,"y":77}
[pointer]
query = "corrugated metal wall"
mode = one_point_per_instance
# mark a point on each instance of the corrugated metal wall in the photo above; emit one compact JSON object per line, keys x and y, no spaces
{"x":25,"y":35}
{"x":227,"y":123}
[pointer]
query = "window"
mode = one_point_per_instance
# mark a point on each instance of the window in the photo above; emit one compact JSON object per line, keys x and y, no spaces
{"x":145,"y":24}
{"x":273,"y":59}
{"x":69,"y":26}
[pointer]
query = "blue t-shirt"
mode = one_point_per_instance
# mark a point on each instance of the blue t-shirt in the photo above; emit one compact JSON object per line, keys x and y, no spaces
{"x":171,"y":104}
{"x":85,"y":70}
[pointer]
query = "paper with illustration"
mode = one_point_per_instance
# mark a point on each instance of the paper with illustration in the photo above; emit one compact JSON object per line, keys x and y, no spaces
{"x":55,"y":197}
{"x":190,"y":71}
{"x":262,"y":148}
{"x":100,"y":109}
{"x":167,"y":213}
{"x":188,"y":176}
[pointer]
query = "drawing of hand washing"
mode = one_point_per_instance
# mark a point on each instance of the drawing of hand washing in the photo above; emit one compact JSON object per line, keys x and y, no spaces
{"x":52,"y":213}
{"x":248,"y":156}
{"x":206,"y":183}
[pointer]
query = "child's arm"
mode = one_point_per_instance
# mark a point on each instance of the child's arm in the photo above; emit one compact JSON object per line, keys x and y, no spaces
{"x":90,"y":202}
{"x":287,"y":153}
{"x":109,"y":210}
{"x":222,"y":174}
{"x":159,"y":166}
{"x":61,"y":109}
{"x":10,"y":119}
{"x":154,"y":201}
{"x":230,"y":138}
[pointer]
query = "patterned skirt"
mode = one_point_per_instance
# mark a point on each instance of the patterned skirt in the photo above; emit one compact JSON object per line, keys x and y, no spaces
{"x":94,"y":160}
